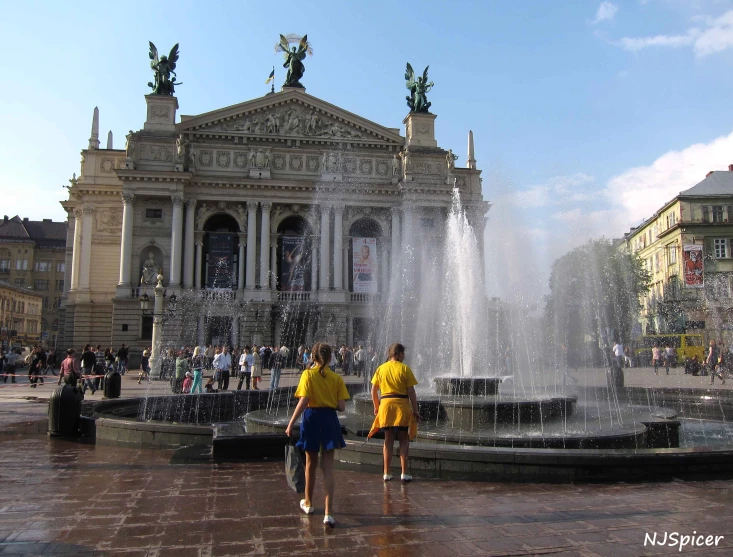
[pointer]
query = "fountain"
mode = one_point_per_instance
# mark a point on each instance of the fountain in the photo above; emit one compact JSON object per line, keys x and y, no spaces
{"x":483,"y":415}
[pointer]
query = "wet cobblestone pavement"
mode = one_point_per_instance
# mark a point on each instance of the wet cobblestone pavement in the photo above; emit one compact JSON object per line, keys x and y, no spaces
{"x":61,"y":497}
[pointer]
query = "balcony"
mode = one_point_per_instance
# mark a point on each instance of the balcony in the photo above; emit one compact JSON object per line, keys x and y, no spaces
{"x":293,"y":296}
{"x":363,"y":298}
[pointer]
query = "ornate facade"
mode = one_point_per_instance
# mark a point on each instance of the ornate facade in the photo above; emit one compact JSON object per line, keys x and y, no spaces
{"x":221,"y":203}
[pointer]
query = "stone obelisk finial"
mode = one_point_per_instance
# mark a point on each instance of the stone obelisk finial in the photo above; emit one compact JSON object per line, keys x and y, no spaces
{"x":470,"y":160}
{"x":109,"y":140}
{"x":94,"y":138}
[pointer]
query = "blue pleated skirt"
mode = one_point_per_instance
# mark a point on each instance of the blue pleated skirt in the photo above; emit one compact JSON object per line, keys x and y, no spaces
{"x":320,"y":430}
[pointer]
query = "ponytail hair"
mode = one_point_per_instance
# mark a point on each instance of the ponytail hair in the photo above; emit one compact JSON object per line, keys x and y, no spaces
{"x":321,"y":354}
{"x":395,"y":350}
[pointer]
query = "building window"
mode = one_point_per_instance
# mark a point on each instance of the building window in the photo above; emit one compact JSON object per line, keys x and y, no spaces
{"x":672,"y":254}
{"x":55,"y":325}
{"x":146,"y":329}
{"x":21,"y":264}
{"x":60,"y":285}
{"x":153,"y":213}
{"x":671,"y":220}
{"x":720,"y":247}
{"x":43,"y":266}
{"x":41,"y":285}
{"x":717,"y":213}
{"x":4,"y":265}
{"x":705,"y":213}
{"x":19,"y":282}
{"x":60,"y":267}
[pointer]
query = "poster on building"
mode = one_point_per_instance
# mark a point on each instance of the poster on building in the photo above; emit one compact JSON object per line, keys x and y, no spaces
{"x":365,"y":265}
{"x":693,"y":265}
{"x":220,"y":268}
{"x":293,"y":264}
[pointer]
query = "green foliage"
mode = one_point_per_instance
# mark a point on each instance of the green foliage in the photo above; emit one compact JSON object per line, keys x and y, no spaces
{"x":595,"y":298}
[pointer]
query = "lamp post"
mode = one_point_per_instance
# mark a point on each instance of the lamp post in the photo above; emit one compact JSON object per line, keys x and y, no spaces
{"x":155,"y":359}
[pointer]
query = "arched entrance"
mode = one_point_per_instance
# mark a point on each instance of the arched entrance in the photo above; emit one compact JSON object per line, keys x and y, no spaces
{"x":220,"y":253}
{"x":294,"y":255}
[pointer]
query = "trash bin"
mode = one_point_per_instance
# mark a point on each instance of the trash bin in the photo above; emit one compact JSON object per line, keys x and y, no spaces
{"x":64,"y":411}
{"x":112,"y":384}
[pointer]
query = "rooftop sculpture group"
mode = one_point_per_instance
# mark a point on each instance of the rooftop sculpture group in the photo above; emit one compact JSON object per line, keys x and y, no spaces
{"x":294,"y":58}
{"x":163,"y":69}
{"x":418,"y":100}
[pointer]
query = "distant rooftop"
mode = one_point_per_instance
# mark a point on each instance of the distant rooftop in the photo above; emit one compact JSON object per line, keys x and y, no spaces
{"x":44,"y":233}
{"x":719,"y":182}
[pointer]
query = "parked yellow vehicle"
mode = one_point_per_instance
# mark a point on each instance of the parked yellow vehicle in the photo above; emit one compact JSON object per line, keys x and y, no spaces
{"x":686,"y":346}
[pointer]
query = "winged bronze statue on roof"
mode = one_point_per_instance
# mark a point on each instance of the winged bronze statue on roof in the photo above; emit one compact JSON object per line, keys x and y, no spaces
{"x":418,"y":100}
{"x":164,"y":69}
{"x":294,"y":57}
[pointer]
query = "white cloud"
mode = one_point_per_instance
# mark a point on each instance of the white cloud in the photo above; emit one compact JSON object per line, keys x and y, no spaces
{"x":606,"y":12}
{"x":638,"y":192}
{"x":558,"y":190}
{"x":715,"y":35}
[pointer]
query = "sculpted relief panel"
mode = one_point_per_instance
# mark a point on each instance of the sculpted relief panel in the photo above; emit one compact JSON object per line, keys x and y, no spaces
{"x":156,"y":153}
{"x":109,"y":221}
{"x":290,"y":121}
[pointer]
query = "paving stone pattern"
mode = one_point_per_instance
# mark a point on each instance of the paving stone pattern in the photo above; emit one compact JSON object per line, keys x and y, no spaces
{"x":63,"y":497}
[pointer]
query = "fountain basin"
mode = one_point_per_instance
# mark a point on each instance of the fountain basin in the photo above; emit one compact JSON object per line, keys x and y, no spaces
{"x":467,"y":386}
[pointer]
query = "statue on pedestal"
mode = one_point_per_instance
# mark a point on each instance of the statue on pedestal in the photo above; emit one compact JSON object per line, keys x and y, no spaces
{"x":150,"y":270}
{"x":418,"y":100}
{"x":450,"y":160}
{"x":294,"y":58}
{"x":163,"y":69}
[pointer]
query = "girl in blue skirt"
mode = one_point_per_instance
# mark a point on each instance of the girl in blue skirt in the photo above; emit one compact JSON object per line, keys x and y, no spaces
{"x":322,"y":392}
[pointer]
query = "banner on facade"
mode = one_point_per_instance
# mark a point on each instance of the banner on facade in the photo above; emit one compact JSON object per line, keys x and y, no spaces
{"x":365,"y":265}
{"x":293,"y":264}
{"x":693,"y":265}
{"x":221,"y":261}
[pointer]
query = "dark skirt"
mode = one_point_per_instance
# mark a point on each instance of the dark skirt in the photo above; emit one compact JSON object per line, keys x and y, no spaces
{"x":320,"y":429}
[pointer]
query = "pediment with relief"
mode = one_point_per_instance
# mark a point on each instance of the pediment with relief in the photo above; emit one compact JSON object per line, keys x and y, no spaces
{"x":291,"y":115}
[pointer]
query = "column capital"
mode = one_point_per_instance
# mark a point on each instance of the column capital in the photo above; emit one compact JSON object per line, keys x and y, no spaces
{"x":325,"y":208}
{"x":396,"y":211}
{"x":266,"y":205}
{"x":408,"y":209}
{"x":177,"y":200}
{"x":191,"y":204}
{"x":242,"y":237}
{"x":198,"y":237}
{"x":87,"y":210}
{"x":252,"y":206}
{"x":77,"y":214}
{"x":339,"y":207}
{"x":128,"y":198}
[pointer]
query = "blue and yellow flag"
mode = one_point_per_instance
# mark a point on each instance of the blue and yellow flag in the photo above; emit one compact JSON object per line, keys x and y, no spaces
{"x":272,"y":76}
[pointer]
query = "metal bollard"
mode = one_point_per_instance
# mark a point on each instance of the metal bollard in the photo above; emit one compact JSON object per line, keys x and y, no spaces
{"x":112,"y":384}
{"x":64,"y":411}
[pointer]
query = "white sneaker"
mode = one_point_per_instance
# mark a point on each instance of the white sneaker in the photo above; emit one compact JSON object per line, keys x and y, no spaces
{"x":406,"y":477}
{"x":387,"y":477}
{"x":329,"y":521}
{"x":305,"y":508}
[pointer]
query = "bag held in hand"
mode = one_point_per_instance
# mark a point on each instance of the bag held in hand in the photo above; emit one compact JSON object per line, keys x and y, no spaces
{"x":294,"y":468}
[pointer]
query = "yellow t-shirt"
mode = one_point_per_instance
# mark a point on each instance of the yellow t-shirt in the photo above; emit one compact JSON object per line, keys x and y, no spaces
{"x":393,"y":378}
{"x":321,"y":391}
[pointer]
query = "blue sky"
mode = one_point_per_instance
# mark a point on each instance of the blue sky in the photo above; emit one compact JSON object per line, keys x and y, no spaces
{"x":587,"y":115}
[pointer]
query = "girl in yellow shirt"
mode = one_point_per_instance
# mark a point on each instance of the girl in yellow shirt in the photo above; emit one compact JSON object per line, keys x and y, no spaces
{"x":322,"y":392}
{"x":396,"y":412}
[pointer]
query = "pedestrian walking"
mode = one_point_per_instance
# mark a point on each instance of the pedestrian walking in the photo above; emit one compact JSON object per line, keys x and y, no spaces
{"x":222,"y":365}
{"x":88,"y":360}
{"x":395,"y":408}
{"x":198,"y":362}
{"x":69,"y":372}
{"x":712,"y":362}
{"x":276,"y":360}
{"x":656,"y":358}
{"x":256,"y":367}
{"x":321,"y":392}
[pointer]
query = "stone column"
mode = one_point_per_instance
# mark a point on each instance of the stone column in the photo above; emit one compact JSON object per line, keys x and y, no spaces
{"x":345,"y":270}
{"x":314,"y":267}
{"x":199,"y":255}
{"x":85,"y":262}
{"x":126,"y":247}
{"x":251,"y":242}
{"x":188,"y":250}
{"x":76,"y":253}
{"x":265,"y":245}
{"x":175,"y":261}
{"x":323,"y":277}
{"x":338,"y":223}
{"x":240,"y":261}
{"x":407,"y":229}
{"x":273,"y":263}
{"x":395,"y":252}
{"x":384,"y":274}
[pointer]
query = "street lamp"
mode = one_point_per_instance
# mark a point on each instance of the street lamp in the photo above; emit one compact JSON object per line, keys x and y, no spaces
{"x":155,"y":359}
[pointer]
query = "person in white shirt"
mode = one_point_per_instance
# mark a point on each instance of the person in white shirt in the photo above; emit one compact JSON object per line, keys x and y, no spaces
{"x":245,"y":369}
{"x":223,"y":363}
{"x":618,"y":352}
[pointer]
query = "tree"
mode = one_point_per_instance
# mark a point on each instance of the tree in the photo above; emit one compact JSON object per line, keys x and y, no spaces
{"x":595,"y":298}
